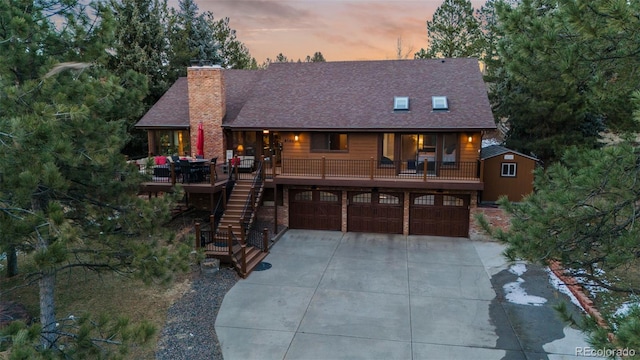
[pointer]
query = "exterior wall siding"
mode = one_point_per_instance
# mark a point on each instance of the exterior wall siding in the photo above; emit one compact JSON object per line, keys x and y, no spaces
{"x":515,"y":188}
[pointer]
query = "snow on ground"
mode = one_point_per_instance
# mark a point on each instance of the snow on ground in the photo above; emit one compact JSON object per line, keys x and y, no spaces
{"x":518,"y":269}
{"x":516,"y":294}
{"x":562,"y":287}
{"x":626,"y":307}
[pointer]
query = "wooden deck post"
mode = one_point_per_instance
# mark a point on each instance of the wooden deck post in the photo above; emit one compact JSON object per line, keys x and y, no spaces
{"x":424,"y":170}
{"x":198,"y":234}
{"x":242,"y":234}
{"x":265,"y":240}
{"x":212,"y":174}
{"x":212,"y":223}
{"x":243,"y":253}
{"x":323,"y":167}
{"x":173,"y":173}
{"x":371,"y":168}
{"x":230,"y":240}
{"x":273,"y":168}
{"x":262,"y":173}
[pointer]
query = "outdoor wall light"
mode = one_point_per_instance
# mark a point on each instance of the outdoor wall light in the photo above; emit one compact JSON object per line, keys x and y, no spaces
{"x":265,"y":132}
{"x":240,"y":148}
{"x":296,"y":137}
{"x":470,"y":138}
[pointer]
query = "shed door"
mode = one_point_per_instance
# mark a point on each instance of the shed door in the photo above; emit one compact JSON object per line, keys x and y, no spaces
{"x":439,"y":215}
{"x":315,"y":209}
{"x":375,"y":212}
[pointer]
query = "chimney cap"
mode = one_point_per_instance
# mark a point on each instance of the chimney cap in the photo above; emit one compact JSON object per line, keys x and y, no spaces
{"x":203,"y":63}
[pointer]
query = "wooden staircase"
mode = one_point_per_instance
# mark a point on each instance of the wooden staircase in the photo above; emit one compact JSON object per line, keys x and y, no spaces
{"x":235,"y":206}
{"x":231,"y":219}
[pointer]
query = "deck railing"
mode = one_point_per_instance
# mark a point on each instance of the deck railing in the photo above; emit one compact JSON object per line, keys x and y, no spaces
{"x":323,"y":168}
{"x":171,"y":173}
{"x":372,"y":169}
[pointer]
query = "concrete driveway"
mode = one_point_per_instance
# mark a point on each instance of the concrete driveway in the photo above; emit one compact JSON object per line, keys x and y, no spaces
{"x":331,"y":295}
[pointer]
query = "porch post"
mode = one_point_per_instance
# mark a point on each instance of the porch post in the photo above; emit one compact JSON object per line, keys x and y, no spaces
{"x":198,"y":241}
{"x":424,"y":170}
{"x":323,"y":167}
{"x":371,"y":168}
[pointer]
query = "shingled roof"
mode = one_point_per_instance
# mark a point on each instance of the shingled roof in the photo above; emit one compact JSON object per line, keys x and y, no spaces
{"x":349,"y":95}
{"x":172,"y":110}
{"x":359,"y":95}
{"x":497,"y":150}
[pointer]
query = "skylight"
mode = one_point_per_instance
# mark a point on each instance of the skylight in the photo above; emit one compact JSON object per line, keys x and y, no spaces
{"x":439,"y":103}
{"x":401,"y":103}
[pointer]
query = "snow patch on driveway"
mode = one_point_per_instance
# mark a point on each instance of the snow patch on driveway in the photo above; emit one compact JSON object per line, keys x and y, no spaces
{"x":516,"y":294}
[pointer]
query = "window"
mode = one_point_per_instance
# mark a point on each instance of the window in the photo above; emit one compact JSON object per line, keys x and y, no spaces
{"x":304,"y":196}
{"x":328,"y":142}
{"x":448,"y":200}
{"x":327,"y":196}
{"x":449,"y":147}
{"x":171,"y":142}
{"x":388,"y":199}
{"x":424,"y":200}
{"x":364,"y":198}
{"x":401,"y":103}
{"x":508,"y":169}
{"x":388,"y":149}
{"x":439,"y":103}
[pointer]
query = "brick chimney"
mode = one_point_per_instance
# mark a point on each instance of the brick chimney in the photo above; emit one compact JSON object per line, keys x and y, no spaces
{"x":207,"y":105}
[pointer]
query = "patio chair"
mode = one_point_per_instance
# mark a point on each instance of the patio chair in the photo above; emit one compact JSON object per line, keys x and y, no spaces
{"x":189,"y":173}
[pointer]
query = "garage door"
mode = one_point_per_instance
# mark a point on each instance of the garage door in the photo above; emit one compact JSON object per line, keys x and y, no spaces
{"x":375,"y":212}
{"x":315,"y":210}
{"x":439,"y":215}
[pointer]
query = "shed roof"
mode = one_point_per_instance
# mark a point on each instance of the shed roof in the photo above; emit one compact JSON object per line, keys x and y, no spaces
{"x":497,"y":150}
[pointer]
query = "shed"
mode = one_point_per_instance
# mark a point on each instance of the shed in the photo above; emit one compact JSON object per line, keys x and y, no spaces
{"x":506,"y":172}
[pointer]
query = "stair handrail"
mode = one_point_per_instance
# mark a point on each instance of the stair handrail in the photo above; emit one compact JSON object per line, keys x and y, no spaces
{"x":247,"y":219}
{"x":218,"y":211}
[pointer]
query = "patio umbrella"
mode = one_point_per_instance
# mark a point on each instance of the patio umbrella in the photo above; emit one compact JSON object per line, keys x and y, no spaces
{"x":200,"y":140}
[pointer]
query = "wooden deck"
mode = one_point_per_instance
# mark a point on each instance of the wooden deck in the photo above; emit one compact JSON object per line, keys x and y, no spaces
{"x":367,"y":173}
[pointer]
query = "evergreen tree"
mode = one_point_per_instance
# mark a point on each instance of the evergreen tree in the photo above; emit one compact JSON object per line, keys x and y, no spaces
{"x":584,"y":214}
{"x":565,"y":76}
{"x":70,"y":199}
{"x":453,"y":32}
{"x":317,"y":57}
{"x":234,"y":53}
{"x":141,"y":45}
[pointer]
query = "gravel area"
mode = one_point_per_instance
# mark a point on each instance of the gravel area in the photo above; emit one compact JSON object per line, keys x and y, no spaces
{"x":189,"y":332}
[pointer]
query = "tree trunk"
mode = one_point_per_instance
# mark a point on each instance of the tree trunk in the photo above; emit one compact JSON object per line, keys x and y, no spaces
{"x":12,"y":261}
{"x":47,"y":309}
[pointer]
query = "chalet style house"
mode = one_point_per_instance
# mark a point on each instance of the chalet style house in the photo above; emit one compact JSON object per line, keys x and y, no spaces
{"x":365,"y":146}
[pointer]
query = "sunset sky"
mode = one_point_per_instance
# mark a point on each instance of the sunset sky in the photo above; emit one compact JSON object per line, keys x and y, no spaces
{"x":341,"y":30}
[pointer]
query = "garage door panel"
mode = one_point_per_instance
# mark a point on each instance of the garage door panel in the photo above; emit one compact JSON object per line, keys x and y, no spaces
{"x":375,"y":212}
{"x":441,"y":215}
{"x":315,"y":210}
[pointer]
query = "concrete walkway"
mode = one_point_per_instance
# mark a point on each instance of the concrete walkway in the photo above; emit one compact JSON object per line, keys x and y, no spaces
{"x":331,"y":295}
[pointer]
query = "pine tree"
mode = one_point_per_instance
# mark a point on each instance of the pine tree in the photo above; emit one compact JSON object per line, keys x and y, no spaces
{"x":70,"y":199}
{"x":453,"y":32}
{"x":565,"y":77}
